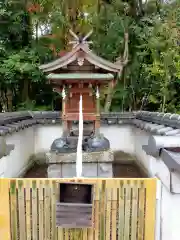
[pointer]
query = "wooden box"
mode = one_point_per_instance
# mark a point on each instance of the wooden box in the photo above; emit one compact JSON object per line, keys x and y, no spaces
{"x":74,"y":205}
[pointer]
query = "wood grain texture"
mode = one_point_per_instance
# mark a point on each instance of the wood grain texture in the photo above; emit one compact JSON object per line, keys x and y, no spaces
{"x":134,"y":217}
{"x":5,"y":210}
{"x":28,"y":209}
{"x":13,"y":207}
{"x":121,"y":209}
{"x":21,"y":212}
{"x":47,"y":206}
{"x":73,"y":215}
{"x":127,"y":211}
{"x":34,"y":211}
{"x":41,"y":209}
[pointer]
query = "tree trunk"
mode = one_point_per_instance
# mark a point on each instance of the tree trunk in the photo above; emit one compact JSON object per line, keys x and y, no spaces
{"x":9,"y":100}
{"x":165,"y":91}
{"x":110,"y":95}
{"x":163,"y":103}
{"x":108,"y":100}
{"x":36,"y":27}
{"x":124,"y":86}
{"x":25,"y":91}
{"x":3,"y":101}
{"x":27,"y":30}
{"x":123,"y":63}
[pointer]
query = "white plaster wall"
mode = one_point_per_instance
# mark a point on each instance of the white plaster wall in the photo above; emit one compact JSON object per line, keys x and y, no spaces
{"x":13,"y":164}
{"x":125,"y":138}
{"x":153,"y":166}
{"x":44,"y":136}
{"x":170,"y":212}
{"x":170,"y":203}
{"x":38,"y":139}
{"x":120,"y":137}
{"x":150,"y":163}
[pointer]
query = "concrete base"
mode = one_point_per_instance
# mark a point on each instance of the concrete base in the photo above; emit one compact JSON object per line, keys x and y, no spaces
{"x":90,"y":170}
{"x":95,"y":164}
{"x":60,"y":158}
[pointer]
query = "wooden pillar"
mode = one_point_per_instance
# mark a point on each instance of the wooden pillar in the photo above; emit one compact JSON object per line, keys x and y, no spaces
{"x":5,"y":229}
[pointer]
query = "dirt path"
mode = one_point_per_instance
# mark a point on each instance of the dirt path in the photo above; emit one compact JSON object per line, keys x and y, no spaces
{"x":126,"y":171}
{"x":37,"y":171}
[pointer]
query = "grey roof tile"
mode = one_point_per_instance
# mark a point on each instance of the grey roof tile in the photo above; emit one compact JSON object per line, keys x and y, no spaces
{"x":171,"y":159}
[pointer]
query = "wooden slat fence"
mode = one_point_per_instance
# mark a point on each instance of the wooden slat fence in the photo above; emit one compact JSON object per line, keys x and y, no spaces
{"x":123,"y":209}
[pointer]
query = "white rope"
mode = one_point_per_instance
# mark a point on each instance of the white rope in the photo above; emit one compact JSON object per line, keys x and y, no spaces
{"x":80,"y":139}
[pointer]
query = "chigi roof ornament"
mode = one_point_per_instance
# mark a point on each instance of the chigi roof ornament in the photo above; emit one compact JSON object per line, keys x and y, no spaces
{"x":81,"y":52}
{"x":80,"y":40}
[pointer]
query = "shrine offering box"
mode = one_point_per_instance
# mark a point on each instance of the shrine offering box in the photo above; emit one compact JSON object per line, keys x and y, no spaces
{"x":74,"y":205}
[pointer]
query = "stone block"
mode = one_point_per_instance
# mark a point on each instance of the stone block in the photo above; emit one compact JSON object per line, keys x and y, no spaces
{"x":104,"y":156}
{"x":89,"y":170}
{"x":54,"y":171}
{"x":105,"y":170}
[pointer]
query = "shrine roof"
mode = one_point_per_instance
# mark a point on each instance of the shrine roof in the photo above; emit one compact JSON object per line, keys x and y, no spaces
{"x":70,"y":76}
{"x":76,"y":54}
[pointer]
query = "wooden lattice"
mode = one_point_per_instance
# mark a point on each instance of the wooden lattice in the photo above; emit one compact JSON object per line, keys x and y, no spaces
{"x":122,"y":209}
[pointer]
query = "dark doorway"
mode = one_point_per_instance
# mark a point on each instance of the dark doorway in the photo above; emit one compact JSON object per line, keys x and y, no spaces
{"x":75,"y":193}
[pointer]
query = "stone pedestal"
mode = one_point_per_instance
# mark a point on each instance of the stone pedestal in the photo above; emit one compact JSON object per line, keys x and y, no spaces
{"x":95,"y":164}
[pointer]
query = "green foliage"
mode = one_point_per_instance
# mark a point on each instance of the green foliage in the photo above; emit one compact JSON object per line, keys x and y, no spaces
{"x":18,"y":66}
{"x":31,"y":105}
{"x":151,"y":80}
{"x":108,"y":34}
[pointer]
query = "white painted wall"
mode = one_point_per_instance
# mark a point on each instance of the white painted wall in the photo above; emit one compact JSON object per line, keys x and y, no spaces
{"x":120,"y":137}
{"x":18,"y":160}
{"x":44,"y":136}
{"x":38,"y":139}
{"x":129,"y":139}
{"x":170,"y":203}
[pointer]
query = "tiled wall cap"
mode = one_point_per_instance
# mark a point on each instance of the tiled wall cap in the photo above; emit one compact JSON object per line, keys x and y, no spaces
{"x":173,"y":132}
{"x":156,"y":143}
{"x":154,"y":128}
{"x":171,"y":159}
{"x":149,"y":121}
{"x":162,"y":131}
{"x":148,"y":126}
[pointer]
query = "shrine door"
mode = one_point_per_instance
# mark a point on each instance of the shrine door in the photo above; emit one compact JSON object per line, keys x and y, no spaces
{"x":87,"y":102}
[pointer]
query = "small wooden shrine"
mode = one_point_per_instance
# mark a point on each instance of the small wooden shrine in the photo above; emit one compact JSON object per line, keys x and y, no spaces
{"x":81,"y":72}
